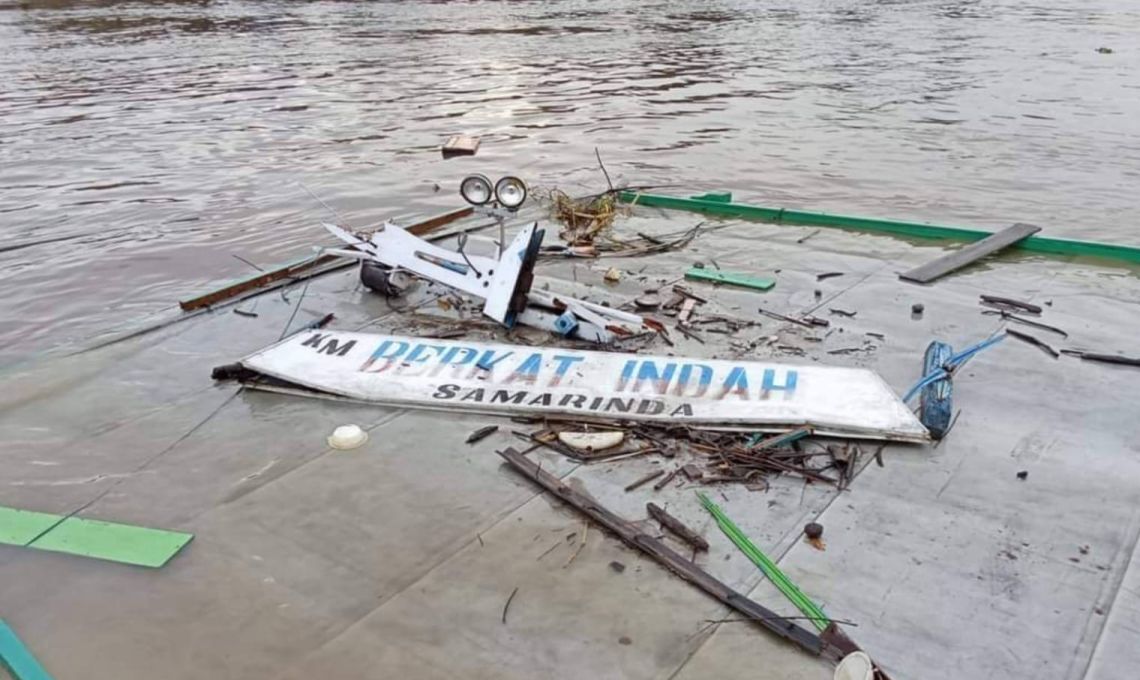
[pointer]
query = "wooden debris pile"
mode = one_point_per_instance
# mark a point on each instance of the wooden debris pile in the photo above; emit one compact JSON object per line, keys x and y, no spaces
{"x":584,"y":219}
{"x":707,"y":457}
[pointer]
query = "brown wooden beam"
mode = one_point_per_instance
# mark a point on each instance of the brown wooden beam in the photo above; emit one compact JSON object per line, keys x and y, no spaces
{"x":291,"y":269}
{"x":669,"y":558}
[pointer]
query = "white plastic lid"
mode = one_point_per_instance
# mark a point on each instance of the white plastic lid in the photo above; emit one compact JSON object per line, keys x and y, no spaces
{"x":347,"y":437}
{"x":855,"y":666}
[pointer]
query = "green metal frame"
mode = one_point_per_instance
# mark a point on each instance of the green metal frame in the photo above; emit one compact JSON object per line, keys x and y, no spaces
{"x":721,"y":204}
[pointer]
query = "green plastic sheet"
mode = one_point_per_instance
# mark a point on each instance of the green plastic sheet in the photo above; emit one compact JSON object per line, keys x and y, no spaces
{"x":21,"y":527}
{"x":115,"y":542}
{"x":123,"y":543}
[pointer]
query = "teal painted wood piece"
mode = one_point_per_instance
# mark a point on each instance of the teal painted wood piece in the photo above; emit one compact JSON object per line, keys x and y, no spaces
{"x":717,"y":276}
{"x":17,"y":658}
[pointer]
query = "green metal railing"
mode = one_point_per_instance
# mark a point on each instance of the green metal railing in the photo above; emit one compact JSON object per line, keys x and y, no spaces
{"x":721,"y":204}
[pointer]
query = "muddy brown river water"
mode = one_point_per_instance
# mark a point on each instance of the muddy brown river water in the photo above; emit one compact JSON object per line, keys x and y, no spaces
{"x":158,"y":139}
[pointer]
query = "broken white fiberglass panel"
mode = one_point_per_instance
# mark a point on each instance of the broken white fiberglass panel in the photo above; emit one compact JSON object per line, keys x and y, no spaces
{"x":517,"y":380}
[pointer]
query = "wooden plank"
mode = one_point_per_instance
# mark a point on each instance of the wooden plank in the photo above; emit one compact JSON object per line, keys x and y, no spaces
{"x":728,"y":278}
{"x":432,"y":223}
{"x":17,"y":658}
{"x":677,"y":527}
{"x":670,"y":559}
{"x":295,"y":267}
{"x":460,"y":145}
{"x":972,"y":253}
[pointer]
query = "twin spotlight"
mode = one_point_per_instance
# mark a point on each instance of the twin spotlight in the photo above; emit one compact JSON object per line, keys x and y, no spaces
{"x":509,"y":192}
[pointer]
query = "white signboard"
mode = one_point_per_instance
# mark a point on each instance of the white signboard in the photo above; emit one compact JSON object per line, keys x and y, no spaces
{"x":458,"y":375}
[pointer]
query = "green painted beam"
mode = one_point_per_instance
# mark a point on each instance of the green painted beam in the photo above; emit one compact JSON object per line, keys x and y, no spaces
{"x":721,"y":204}
{"x":17,"y":658}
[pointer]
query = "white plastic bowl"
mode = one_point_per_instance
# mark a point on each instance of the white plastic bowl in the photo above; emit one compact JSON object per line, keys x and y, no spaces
{"x":855,"y":666}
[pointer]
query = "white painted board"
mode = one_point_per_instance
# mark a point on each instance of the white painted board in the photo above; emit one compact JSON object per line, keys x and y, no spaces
{"x":517,"y":380}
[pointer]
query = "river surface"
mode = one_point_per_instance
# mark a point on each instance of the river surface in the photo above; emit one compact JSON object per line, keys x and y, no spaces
{"x":161,"y":139}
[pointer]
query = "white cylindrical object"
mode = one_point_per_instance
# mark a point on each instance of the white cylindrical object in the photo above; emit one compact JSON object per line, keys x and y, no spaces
{"x":347,"y":437}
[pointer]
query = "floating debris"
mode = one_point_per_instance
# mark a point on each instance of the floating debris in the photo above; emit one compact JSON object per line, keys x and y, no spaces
{"x":481,"y":434}
{"x":641,"y":481}
{"x":648,"y":301}
{"x":347,"y":437}
{"x":677,"y":527}
{"x":729,"y":278}
{"x":675,"y":562}
{"x":460,"y":145}
{"x":963,"y":257}
{"x":1009,"y":316}
{"x":997,"y":301}
{"x":592,"y":441}
{"x":1103,"y":358}
{"x":1025,"y":337}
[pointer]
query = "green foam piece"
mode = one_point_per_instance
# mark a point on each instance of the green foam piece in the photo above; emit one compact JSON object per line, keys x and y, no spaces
{"x":115,"y":542}
{"x":717,"y":276}
{"x":21,"y":527}
{"x":17,"y":658}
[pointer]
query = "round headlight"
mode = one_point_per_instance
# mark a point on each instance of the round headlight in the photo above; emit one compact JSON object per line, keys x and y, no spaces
{"x":510,"y":192}
{"x":476,"y":189}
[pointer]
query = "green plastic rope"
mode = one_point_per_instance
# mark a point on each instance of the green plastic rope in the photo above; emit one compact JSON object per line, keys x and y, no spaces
{"x":790,"y":590}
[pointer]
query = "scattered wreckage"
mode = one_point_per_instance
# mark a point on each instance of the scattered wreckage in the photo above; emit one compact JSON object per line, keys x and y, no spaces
{"x":504,"y":283}
{"x":713,"y":421}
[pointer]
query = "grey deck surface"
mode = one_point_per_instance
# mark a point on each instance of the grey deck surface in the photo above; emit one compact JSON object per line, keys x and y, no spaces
{"x":395,"y":559}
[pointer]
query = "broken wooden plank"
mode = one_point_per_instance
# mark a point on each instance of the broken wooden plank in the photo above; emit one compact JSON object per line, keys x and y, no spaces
{"x":1103,"y":358}
{"x":481,"y":434}
{"x":1010,"y":302}
{"x":968,"y":255}
{"x":460,"y":145}
{"x":1010,"y":316}
{"x":1025,"y":337}
{"x":647,"y":478}
{"x":313,"y":265}
{"x":728,"y":278}
{"x":671,"y":559}
{"x":666,"y":479}
{"x":677,"y":527}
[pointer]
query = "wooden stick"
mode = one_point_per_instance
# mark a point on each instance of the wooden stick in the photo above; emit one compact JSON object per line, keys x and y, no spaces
{"x":647,"y":478}
{"x":1025,"y":337}
{"x":668,"y":478}
{"x":508,"y":604}
{"x":672,"y":560}
{"x":676,"y":526}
